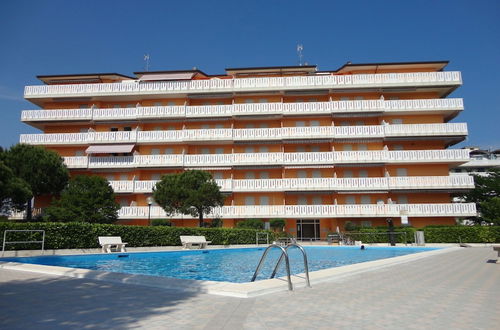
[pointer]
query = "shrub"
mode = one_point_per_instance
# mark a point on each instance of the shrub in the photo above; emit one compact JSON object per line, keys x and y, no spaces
{"x":251,"y":224}
{"x":161,"y":222}
{"x":80,"y":235}
{"x":350,"y":226}
{"x":277,"y":224}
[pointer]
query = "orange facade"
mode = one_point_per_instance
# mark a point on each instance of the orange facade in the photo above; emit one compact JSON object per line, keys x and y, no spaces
{"x":395,"y":137}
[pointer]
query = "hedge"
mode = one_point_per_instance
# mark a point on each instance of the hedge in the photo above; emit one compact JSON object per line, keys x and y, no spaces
{"x":433,"y":234}
{"x":78,"y":235}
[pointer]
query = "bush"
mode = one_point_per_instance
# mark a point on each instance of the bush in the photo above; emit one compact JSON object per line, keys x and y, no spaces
{"x":80,"y":235}
{"x":277,"y":224}
{"x":251,"y":224}
{"x":350,"y":226}
{"x":161,"y":222}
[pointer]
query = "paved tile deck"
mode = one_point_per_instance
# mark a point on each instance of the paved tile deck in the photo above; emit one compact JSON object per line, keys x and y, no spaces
{"x":455,"y":290}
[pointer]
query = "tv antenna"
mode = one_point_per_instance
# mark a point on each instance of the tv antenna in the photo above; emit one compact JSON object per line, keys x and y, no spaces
{"x":146,"y":59}
{"x":300,"y":48}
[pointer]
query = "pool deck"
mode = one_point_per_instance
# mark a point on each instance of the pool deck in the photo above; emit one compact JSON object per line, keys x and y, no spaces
{"x":454,"y":290}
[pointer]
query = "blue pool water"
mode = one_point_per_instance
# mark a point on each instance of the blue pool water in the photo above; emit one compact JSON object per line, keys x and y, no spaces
{"x":229,"y":265}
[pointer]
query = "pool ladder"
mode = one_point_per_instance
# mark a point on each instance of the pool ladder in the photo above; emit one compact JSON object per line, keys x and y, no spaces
{"x":284,"y":255}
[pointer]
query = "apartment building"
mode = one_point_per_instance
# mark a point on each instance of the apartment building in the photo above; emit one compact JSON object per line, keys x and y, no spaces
{"x":364,"y":143}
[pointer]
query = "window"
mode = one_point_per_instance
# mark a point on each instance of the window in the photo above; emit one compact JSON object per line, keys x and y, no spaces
{"x":127,"y":129}
{"x":315,"y":149}
{"x":158,"y":128}
{"x":363,"y":173}
{"x":314,"y":122}
{"x":401,"y":172}
{"x":366,"y":200}
{"x":79,"y":153}
{"x":110,"y":177}
{"x":359,"y":98}
{"x":301,"y":149}
{"x":350,"y":200}
{"x":344,"y":98}
{"x":264,"y":125}
{"x":249,"y":200}
{"x":249,"y":150}
{"x":157,"y":104}
{"x":362,"y":147}
{"x":205,"y":126}
{"x":114,"y":129}
{"x":218,"y":176}
{"x":170,"y":103}
{"x":155,"y":151}
{"x":264,"y":175}
{"x":263,"y":101}
{"x":130,"y":106}
{"x":300,"y":123}
{"x":156,"y":176}
{"x":302,"y":200}
{"x":205,"y":151}
{"x":116,"y":106}
{"x":360,"y":123}
{"x":123,"y":203}
{"x":301,"y":174}
{"x":219,"y":150}
{"x":317,"y":200}
{"x":347,"y":147}
{"x":263,"y":149}
{"x":249,"y":126}
{"x":219,"y":125}
{"x":344,"y":123}
{"x":397,"y":121}
{"x":402,"y":199}
{"x":316,"y":174}
{"x":249,"y":175}
{"x":123,"y":177}
{"x":83,"y":106}
{"x":264,"y":200}
{"x":169,"y":151}
{"x":249,"y":101}
{"x":348,"y":174}
{"x":398,"y":147}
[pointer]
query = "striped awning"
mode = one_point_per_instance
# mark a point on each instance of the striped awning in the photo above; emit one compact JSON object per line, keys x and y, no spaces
{"x":110,"y":149}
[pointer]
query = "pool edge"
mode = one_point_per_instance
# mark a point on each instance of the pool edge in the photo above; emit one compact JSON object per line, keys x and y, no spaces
{"x":239,"y":290}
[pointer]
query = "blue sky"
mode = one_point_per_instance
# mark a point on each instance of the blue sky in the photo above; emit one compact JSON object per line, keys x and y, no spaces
{"x":62,"y":37}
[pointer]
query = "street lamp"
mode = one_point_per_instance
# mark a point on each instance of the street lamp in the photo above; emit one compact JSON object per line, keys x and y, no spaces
{"x":150,"y":202}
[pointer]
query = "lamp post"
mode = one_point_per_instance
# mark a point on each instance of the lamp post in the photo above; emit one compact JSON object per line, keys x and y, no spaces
{"x":150,"y":202}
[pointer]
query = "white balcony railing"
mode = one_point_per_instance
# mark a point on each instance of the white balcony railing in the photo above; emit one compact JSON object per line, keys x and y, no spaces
{"x":276,"y":158}
{"x":249,"y":134}
{"x":318,"y":184}
{"x":414,"y":79}
{"x":315,"y":211}
{"x":208,"y":111}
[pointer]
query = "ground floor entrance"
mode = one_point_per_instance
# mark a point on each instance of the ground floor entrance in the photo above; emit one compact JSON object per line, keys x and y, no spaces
{"x":308,"y":229}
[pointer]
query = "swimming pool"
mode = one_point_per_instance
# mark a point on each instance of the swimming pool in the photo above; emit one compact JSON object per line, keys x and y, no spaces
{"x":224,"y":265}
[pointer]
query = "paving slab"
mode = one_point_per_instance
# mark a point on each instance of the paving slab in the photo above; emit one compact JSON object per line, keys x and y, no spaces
{"x":455,"y":290}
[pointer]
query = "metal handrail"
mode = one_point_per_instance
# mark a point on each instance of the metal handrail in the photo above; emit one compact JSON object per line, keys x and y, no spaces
{"x":287,"y":263}
{"x":306,"y":265}
{"x":18,"y":242}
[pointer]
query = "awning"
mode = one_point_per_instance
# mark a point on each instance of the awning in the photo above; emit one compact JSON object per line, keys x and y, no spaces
{"x":167,"y":76}
{"x":110,"y":149}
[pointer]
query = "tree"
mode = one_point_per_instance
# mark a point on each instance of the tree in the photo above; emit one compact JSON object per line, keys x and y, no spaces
{"x":14,"y":192}
{"x":486,"y":195}
{"x":251,"y":224}
{"x":43,"y":170}
{"x":192,"y":193}
{"x":85,"y":199}
{"x":277,"y":224}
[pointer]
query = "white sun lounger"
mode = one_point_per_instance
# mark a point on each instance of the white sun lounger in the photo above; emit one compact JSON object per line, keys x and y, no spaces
{"x":112,"y":242}
{"x":189,"y":241}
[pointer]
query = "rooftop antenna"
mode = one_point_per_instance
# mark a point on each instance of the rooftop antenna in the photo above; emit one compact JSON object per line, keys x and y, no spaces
{"x":300,"y":48}
{"x":146,"y":59}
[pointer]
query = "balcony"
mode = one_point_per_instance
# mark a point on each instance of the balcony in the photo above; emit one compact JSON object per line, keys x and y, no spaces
{"x":213,"y":111}
{"x":313,"y":82}
{"x":251,"y":134}
{"x":319,"y":184}
{"x":315,"y":211}
{"x":454,"y":156}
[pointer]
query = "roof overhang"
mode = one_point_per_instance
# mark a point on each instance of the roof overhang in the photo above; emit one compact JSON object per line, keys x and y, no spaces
{"x":82,"y":78}
{"x":110,"y":149}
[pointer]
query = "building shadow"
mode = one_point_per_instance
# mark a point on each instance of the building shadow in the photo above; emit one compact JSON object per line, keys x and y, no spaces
{"x":46,"y":302}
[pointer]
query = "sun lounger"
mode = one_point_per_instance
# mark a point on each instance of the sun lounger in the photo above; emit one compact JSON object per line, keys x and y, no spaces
{"x":189,"y":241}
{"x":112,"y":242}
